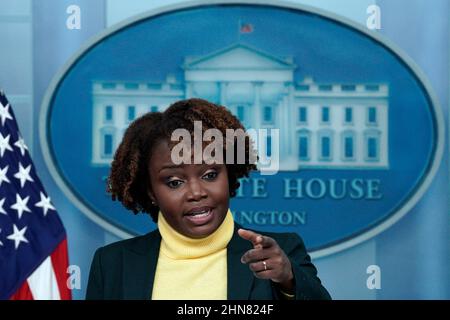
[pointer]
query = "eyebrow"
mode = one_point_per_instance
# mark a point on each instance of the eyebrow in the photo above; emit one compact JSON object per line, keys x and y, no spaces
{"x":177,"y":166}
{"x":171,"y":166}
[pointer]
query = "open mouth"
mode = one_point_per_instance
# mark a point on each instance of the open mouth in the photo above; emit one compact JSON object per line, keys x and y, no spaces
{"x":200,"y":216}
{"x":199,"y":211}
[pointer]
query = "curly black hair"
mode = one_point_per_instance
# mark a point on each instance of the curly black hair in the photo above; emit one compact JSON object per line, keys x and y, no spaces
{"x":129,"y":180}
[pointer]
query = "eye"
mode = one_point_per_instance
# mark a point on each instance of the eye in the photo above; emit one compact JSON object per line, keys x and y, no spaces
{"x":210,"y":175}
{"x":174,"y":184}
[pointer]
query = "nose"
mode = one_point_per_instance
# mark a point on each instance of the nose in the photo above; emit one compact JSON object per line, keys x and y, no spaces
{"x":196,"y":191}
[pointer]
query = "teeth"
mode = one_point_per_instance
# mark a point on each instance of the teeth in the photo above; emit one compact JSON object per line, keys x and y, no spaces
{"x":200,"y":214}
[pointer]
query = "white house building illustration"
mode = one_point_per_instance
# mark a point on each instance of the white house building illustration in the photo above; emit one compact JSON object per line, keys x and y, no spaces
{"x":322,"y":125}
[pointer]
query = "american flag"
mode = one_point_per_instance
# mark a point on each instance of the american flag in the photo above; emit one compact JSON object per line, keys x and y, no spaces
{"x":246,"y":28}
{"x":33,"y":244}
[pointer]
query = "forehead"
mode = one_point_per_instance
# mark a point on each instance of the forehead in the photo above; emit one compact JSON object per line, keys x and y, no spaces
{"x":161,"y":154}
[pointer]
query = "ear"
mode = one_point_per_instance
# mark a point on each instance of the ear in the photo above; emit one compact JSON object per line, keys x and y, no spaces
{"x":151,"y":195}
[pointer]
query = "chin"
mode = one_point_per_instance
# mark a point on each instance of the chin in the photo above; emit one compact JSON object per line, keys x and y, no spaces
{"x":202,"y":231}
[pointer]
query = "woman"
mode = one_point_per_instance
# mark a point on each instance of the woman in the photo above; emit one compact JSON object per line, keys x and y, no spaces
{"x":197,"y":251}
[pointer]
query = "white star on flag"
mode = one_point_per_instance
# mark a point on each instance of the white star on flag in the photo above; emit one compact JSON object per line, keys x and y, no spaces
{"x":17,"y":236}
{"x":21,"y":205}
{"x":45,"y":204}
{"x":4,"y":144}
{"x":1,"y":206}
{"x":23,"y":175}
{"x":3,"y":176}
{"x":4,"y":113}
{"x":21,"y":145}
{"x":37,"y":268}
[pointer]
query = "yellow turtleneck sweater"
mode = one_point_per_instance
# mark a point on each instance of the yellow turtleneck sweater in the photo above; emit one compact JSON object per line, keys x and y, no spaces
{"x":192,"y":269}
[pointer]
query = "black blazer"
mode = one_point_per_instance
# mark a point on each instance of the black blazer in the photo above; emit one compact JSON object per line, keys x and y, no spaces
{"x":126,"y":270}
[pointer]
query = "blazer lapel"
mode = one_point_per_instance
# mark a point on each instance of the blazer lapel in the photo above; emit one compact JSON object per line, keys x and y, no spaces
{"x":240,"y":277}
{"x":139,"y":267}
{"x":140,"y":261}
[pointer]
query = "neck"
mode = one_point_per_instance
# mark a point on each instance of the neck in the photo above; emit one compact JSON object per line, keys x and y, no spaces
{"x":177,"y":246}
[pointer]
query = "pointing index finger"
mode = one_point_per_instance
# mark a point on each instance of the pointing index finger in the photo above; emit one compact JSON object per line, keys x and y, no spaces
{"x":254,"y":237}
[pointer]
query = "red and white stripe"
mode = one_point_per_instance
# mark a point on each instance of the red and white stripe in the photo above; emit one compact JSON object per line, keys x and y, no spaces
{"x":49,"y":280}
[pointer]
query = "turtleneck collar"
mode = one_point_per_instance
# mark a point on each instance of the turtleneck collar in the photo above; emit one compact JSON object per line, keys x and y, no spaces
{"x":177,"y":246}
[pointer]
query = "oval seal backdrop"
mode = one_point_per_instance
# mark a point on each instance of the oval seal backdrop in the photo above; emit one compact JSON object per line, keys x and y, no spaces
{"x":360,"y":133}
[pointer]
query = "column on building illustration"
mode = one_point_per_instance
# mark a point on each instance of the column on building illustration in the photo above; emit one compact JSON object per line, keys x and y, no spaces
{"x":290,"y":121}
{"x":256,"y":105}
{"x":223,"y":92}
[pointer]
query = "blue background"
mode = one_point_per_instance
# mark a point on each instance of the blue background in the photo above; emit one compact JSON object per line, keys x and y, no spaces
{"x":349,"y":56}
